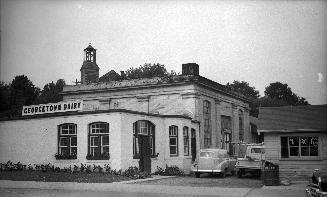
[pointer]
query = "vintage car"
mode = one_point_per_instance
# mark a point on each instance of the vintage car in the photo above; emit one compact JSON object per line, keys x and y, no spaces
{"x":213,"y":161}
{"x":318,"y":184}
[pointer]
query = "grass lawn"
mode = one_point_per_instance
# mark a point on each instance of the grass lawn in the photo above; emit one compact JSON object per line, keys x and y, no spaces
{"x":61,"y":177}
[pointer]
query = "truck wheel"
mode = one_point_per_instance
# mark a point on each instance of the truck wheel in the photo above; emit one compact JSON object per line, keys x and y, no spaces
{"x":239,"y":173}
{"x":197,"y":175}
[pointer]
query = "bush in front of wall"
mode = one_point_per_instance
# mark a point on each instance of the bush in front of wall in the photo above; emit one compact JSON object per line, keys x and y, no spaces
{"x":135,"y":173}
{"x":97,"y":168}
{"x":169,"y":171}
{"x":131,"y":172}
{"x":88,"y":169}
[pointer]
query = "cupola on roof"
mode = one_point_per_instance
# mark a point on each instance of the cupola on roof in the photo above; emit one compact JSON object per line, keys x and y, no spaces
{"x":89,"y":48}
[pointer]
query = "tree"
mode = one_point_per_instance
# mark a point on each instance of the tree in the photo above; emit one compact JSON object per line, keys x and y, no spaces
{"x":148,"y":71}
{"x":244,"y":88}
{"x":50,"y":92}
{"x":22,"y":92}
{"x":280,"y":91}
{"x":4,"y":96}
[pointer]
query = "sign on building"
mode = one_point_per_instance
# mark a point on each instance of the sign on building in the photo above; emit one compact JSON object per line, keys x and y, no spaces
{"x":75,"y":105}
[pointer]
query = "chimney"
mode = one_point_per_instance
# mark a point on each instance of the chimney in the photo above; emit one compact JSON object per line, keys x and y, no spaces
{"x":190,"y":69}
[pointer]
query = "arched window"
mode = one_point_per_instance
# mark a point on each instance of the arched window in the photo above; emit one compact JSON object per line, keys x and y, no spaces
{"x":186,"y":141}
{"x":241,"y":126}
{"x":173,"y":140}
{"x":207,"y":123}
{"x":143,"y":128}
{"x":98,"y":141}
{"x":67,"y":141}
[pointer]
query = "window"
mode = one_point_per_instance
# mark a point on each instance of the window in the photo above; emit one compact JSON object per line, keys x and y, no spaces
{"x":193,"y":144}
{"x":186,"y":141}
{"x":226,"y":131}
{"x":67,"y":141}
{"x":206,"y":107}
{"x":240,"y":124}
{"x":146,"y":129}
{"x":98,"y":141}
{"x":299,"y":146}
{"x":207,"y":123}
{"x":173,"y":140}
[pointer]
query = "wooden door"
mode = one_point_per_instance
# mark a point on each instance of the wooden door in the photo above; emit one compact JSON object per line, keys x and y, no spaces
{"x":145,"y":154}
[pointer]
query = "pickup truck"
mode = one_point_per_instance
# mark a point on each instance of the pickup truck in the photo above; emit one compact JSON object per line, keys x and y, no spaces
{"x":253,"y":160}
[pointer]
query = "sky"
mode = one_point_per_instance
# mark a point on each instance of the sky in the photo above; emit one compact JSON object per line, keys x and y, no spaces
{"x":260,"y":42}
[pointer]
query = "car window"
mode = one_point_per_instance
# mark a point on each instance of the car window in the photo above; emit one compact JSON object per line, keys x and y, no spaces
{"x":206,"y":154}
{"x":257,"y":150}
{"x":222,"y":155}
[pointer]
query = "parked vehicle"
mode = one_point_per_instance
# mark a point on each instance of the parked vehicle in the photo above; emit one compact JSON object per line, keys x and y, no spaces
{"x":214,"y":161}
{"x":318,"y":184}
{"x":253,"y":160}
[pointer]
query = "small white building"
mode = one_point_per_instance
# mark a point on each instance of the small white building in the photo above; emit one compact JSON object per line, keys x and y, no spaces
{"x":120,"y":138}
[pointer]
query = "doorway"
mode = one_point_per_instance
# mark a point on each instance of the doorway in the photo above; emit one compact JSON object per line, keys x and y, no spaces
{"x":145,"y":154}
{"x":144,"y":144}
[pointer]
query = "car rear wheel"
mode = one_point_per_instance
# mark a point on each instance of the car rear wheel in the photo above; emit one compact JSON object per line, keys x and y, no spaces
{"x":223,"y":173}
{"x":197,"y":175}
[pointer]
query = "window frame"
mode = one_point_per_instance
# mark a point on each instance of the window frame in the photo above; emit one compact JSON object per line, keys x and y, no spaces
{"x":138,"y":129}
{"x":299,"y":157}
{"x":173,"y":134}
{"x":207,"y":130}
{"x":241,"y":125}
{"x":186,"y":141}
{"x":95,"y":133}
{"x":69,"y":145}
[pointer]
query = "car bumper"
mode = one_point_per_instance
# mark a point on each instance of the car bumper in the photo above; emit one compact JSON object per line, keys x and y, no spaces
{"x":248,"y":167}
{"x":206,"y":171}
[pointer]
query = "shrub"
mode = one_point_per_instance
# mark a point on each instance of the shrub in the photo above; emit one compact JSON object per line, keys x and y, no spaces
{"x":83,"y":167}
{"x":97,"y":168}
{"x":68,"y":169}
{"x":37,"y":167}
{"x":56,"y":169}
{"x":134,"y":173}
{"x":30,"y":167}
{"x":88,"y":169}
{"x":107,"y":168}
{"x":169,"y":171}
{"x":75,"y":169}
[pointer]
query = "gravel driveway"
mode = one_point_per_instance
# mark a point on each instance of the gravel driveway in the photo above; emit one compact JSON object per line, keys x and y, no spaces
{"x":208,"y":181}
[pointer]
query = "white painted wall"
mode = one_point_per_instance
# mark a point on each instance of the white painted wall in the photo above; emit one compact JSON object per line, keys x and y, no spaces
{"x":35,"y":141}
